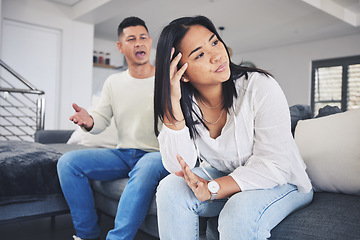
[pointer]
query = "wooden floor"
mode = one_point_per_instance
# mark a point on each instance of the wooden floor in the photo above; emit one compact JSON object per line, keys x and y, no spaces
{"x":60,"y":229}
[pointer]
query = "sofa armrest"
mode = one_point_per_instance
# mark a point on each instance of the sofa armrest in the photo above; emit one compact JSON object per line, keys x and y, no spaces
{"x":53,"y":136}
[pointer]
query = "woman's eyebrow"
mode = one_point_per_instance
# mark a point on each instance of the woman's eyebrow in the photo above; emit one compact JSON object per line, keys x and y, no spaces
{"x":194,"y":50}
{"x":212,"y":36}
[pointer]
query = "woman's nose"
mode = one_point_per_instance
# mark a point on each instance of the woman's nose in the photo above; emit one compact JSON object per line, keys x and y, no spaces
{"x":215,"y":57}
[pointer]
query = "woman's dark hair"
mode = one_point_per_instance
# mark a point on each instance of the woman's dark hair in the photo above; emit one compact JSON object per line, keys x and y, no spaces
{"x":171,"y":37}
{"x":130,"y":22}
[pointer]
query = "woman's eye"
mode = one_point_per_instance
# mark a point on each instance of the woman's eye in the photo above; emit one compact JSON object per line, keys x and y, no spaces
{"x":199,"y":56}
{"x":215,"y":42}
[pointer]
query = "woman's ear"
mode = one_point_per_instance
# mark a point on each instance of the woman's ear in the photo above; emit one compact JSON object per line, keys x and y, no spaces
{"x":184,"y":79}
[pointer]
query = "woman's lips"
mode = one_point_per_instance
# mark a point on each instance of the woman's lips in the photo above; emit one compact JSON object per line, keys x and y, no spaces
{"x":221,"y":67}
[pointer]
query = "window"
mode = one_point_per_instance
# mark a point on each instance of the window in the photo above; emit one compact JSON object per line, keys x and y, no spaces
{"x":335,"y":82}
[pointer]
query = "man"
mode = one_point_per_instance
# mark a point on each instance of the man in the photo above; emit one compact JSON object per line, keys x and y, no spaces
{"x":128,"y":97}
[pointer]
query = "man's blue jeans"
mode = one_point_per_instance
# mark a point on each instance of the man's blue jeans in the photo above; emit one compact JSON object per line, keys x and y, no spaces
{"x":76,"y":168}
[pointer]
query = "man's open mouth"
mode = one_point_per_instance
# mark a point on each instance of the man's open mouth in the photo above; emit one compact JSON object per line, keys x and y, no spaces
{"x":140,"y":54}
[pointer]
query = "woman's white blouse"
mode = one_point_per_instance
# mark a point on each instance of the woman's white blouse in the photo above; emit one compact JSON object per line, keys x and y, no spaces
{"x":255,"y":147}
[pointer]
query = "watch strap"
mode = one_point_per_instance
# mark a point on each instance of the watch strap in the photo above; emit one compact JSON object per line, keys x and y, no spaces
{"x":213,"y":196}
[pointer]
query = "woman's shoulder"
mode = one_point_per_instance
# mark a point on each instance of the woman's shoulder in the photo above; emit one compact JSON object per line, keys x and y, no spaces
{"x":255,"y":81}
{"x":254,"y":86}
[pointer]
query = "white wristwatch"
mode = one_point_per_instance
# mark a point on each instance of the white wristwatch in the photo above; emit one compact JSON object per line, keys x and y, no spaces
{"x":214,"y":188}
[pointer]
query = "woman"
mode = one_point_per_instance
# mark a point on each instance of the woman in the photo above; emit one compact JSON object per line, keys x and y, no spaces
{"x":236,"y":121}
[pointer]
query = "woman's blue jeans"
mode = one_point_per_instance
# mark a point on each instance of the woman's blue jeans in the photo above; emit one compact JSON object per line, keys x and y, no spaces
{"x":245,"y":215}
{"x":77,"y":168}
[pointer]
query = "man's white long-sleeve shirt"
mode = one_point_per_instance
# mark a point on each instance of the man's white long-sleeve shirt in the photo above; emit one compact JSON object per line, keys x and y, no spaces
{"x":130,"y":101}
{"x":255,"y":147}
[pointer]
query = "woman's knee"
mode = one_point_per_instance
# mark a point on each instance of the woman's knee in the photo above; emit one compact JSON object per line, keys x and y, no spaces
{"x":239,"y":218}
{"x":168,"y":186}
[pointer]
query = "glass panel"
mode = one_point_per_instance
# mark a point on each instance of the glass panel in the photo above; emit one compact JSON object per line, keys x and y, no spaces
{"x":328,"y":84}
{"x":354,"y":87}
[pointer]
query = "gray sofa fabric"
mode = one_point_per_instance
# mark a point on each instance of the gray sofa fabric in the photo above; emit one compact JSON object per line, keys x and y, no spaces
{"x":48,"y":206}
{"x":52,"y":136}
{"x":330,"y":216}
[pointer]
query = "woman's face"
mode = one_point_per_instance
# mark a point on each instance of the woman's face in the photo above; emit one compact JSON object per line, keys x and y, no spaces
{"x":208,"y":61}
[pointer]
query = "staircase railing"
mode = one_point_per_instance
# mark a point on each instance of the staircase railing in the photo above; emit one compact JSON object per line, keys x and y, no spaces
{"x":22,"y":110}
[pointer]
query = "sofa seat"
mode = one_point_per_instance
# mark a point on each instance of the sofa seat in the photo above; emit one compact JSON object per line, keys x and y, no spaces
{"x":329,"y":216}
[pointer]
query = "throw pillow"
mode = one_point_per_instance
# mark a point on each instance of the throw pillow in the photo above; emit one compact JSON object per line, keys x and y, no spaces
{"x":330,"y":147}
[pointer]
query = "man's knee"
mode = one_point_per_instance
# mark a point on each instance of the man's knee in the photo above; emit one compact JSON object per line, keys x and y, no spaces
{"x":64,"y":161}
{"x":149,"y":167}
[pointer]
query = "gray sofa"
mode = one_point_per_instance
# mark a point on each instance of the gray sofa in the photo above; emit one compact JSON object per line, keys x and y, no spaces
{"x":329,"y":216}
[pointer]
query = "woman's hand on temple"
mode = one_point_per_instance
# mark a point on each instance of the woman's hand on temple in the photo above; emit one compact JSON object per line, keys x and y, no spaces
{"x":197,"y":184}
{"x":175,"y":76}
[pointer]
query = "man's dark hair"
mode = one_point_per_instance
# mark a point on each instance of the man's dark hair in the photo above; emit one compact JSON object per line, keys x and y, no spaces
{"x":130,"y":22}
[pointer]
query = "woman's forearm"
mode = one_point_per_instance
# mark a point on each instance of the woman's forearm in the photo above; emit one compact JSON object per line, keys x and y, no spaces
{"x":178,"y":121}
{"x":228,"y":187}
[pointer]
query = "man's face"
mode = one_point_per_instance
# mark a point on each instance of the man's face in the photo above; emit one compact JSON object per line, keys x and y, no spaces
{"x":135,"y":44}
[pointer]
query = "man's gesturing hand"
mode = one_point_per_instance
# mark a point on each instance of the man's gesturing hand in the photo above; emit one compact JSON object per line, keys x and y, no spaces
{"x":82,"y":117}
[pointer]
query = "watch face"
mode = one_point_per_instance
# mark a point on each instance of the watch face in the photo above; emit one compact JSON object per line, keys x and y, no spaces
{"x":213,"y":187}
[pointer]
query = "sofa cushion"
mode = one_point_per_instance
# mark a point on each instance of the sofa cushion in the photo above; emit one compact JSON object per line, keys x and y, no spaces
{"x":330,"y":148}
{"x":329,"y":216}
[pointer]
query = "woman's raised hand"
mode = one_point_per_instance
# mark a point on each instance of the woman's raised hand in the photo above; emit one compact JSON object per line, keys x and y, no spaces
{"x":197,"y":184}
{"x":175,"y":76}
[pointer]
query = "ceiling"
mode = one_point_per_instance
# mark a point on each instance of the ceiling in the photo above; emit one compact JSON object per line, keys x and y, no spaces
{"x":249,"y":24}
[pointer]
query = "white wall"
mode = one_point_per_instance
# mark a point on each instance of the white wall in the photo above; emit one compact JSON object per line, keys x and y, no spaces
{"x":116,"y":59}
{"x":291,"y":65}
{"x":76,"y":51}
{"x":0,"y":23}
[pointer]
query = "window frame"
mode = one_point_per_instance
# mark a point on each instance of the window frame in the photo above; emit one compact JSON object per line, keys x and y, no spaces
{"x":344,"y":62}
